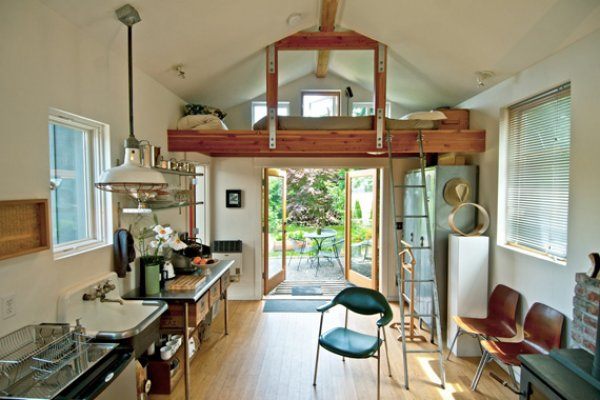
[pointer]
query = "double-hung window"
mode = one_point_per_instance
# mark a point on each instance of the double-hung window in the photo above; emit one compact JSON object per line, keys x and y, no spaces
{"x":79,"y":212}
{"x":537,"y":156}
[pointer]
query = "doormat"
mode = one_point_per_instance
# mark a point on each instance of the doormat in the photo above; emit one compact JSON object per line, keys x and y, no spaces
{"x":292,"y":306}
{"x":307,"y":291}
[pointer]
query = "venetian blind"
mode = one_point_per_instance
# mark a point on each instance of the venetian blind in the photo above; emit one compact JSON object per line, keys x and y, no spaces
{"x":538,"y":152}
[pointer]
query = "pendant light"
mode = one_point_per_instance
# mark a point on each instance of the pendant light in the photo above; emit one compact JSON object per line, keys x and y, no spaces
{"x":131,"y":178}
{"x":433,"y":115}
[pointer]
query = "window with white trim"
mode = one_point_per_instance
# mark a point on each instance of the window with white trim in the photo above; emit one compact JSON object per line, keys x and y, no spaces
{"x":538,"y":144}
{"x":79,"y":212}
{"x":365,"y":108}
{"x":321,"y":103}
{"x":259,"y":110}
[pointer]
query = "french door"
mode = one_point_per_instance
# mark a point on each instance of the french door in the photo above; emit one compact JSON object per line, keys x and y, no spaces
{"x":274,"y":228}
{"x":362,"y":227}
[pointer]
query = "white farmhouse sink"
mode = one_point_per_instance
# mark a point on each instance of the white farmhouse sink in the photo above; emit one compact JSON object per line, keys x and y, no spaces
{"x":134,"y":321}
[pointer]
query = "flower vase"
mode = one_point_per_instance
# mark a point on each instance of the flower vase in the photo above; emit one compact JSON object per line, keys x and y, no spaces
{"x":152,"y":278}
{"x":319,"y":230}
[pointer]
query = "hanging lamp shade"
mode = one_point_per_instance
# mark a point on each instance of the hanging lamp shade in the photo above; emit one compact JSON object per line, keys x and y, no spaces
{"x":432,"y":115}
{"x":131,"y":178}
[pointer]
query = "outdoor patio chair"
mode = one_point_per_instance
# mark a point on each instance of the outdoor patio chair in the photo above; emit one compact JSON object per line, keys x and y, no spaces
{"x":348,"y":343}
{"x":332,"y":251}
{"x":300,"y":246}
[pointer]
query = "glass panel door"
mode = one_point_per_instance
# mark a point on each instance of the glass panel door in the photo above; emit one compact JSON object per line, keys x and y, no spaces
{"x":362,"y":216}
{"x":275,"y":228}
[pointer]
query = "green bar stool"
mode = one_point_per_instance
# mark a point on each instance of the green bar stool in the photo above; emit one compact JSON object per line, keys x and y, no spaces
{"x":348,"y":343}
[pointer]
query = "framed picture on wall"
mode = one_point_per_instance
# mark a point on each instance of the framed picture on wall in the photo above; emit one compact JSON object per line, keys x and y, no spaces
{"x":233,"y":198}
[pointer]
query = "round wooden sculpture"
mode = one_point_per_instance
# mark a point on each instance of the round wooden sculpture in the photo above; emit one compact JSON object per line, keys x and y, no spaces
{"x":479,"y":229}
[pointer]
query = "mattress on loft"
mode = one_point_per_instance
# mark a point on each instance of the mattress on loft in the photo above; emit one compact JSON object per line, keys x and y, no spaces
{"x":341,"y":124}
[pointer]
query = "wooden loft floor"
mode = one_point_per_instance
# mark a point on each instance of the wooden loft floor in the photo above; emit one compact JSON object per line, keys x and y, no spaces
{"x":271,"y":357}
{"x":237,"y":143}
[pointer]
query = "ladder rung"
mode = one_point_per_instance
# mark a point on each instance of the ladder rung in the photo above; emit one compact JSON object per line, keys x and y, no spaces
{"x":420,"y":247}
{"x":415,"y":216}
{"x":423,"y":351}
{"x":417,"y":280}
{"x":409,"y":186}
{"x":419,"y":315}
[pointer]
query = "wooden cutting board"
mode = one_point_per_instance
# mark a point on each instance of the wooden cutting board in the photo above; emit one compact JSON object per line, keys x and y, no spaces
{"x":187,"y":282}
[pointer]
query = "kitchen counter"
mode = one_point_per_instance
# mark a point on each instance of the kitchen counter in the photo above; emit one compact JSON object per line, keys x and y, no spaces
{"x":190,"y":300}
{"x":216,"y":272}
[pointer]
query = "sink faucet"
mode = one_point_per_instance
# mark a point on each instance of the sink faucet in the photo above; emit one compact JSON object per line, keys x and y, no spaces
{"x":100,"y":292}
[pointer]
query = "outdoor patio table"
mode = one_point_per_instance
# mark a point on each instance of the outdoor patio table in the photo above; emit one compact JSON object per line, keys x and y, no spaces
{"x":319,"y":238}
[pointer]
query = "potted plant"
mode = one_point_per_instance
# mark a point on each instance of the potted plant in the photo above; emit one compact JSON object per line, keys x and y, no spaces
{"x":152,"y":254}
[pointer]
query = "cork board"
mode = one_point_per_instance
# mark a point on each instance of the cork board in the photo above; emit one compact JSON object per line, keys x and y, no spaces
{"x":23,"y":227}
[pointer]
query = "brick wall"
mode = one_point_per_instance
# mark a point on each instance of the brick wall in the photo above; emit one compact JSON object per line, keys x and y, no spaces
{"x":585,"y":311}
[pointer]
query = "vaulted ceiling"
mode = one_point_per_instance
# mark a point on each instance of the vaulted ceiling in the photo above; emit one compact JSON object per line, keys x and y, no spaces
{"x":435,"y":46}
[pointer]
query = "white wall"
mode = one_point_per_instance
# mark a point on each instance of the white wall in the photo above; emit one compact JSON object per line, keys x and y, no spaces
{"x":240,"y":116}
{"x":535,"y":279}
{"x":47,"y":62}
{"x":245,"y":223}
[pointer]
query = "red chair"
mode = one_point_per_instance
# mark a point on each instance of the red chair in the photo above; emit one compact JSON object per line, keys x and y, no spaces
{"x":542,"y":332}
{"x":500,"y":321}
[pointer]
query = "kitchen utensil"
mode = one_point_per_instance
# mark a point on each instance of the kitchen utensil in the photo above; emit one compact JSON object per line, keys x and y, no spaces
{"x":169,"y":270}
{"x":146,"y":153}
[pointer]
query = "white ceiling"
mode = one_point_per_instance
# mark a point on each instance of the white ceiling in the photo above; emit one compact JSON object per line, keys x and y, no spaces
{"x":435,"y":46}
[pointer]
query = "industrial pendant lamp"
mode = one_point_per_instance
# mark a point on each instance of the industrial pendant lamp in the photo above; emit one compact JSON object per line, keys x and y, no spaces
{"x":141,"y":183}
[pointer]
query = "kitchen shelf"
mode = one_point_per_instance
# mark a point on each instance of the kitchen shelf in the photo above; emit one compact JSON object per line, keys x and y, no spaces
{"x":156,"y":207}
{"x":174,"y":172}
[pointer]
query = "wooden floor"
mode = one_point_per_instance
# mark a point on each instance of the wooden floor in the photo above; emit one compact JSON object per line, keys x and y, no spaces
{"x":271,"y":356}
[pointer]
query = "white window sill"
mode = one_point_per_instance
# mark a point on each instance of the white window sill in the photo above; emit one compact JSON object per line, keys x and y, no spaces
{"x":532,"y":254}
{"x":66,"y":252}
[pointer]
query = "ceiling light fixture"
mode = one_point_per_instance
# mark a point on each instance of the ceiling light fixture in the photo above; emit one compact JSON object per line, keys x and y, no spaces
{"x":294,"y":19}
{"x":141,"y":183}
{"x":433,"y":115}
{"x":180,"y":72}
{"x":482,"y":76}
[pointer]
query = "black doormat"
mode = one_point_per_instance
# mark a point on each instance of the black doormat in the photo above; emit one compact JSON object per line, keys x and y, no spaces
{"x":307,"y":291}
{"x":292,"y":306}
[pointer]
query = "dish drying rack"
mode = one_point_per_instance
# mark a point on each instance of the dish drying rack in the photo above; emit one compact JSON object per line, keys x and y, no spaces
{"x":38,"y":350}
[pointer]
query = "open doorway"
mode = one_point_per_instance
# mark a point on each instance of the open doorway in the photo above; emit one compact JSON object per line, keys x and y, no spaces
{"x":320,"y":230}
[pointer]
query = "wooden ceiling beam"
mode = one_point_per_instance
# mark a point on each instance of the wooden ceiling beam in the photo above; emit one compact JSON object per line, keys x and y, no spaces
{"x":328,"y":13}
{"x":348,"y":40}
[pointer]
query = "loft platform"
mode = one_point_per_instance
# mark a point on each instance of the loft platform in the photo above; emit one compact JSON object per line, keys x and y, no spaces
{"x":321,"y":143}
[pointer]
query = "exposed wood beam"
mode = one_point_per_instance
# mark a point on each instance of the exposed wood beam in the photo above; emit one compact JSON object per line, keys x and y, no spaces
{"x":328,"y":13}
{"x":348,"y":40}
{"x":235,"y":143}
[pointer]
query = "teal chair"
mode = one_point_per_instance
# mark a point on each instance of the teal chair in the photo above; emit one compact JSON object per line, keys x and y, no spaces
{"x":348,"y":343}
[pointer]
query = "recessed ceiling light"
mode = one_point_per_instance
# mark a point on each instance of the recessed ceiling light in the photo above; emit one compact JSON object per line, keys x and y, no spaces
{"x":294,"y":19}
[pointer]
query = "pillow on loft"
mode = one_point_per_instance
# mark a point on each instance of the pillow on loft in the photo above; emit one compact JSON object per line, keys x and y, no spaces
{"x":201,"y":109}
{"x":201,"y":122}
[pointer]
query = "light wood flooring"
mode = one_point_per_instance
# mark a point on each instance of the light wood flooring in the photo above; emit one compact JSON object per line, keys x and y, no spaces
{"x":269,"y":356}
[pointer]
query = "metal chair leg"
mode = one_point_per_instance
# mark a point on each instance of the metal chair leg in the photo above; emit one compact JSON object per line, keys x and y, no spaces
{"x":486,"y":358}
{"x":387,"y":353}
{"x":346,"y":327}
{"x":458,"y":333}
{"x":318,"y":348}
{"x":378,"y":370}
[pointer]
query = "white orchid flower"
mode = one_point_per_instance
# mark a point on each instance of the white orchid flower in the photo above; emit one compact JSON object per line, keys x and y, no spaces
{"x":154,"y":244}
{"x":163,"y":232}
{"x":176,"y":244}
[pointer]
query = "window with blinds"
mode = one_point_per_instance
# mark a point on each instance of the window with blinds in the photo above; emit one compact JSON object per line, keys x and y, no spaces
{"x":537,"y":182}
